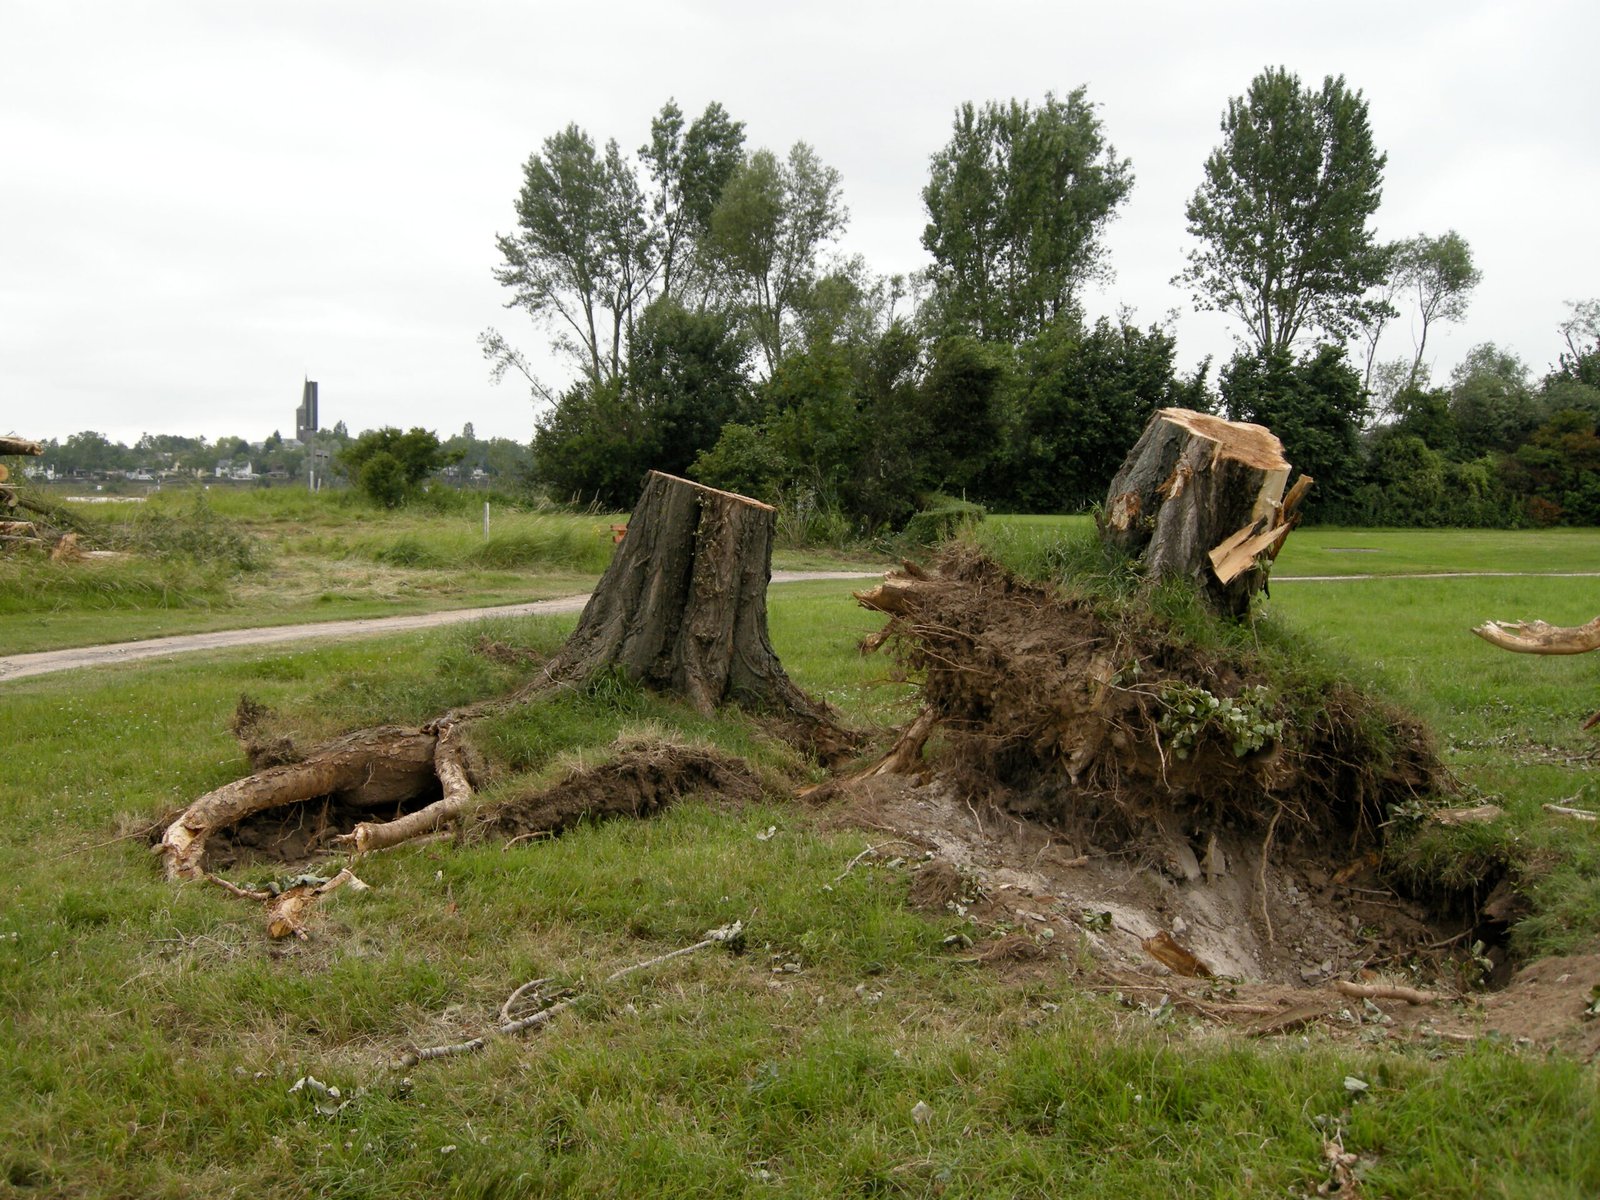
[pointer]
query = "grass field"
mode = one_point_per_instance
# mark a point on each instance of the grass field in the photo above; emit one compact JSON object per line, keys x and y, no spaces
{"x":195,"y":562}
{"x":150,"y":1036}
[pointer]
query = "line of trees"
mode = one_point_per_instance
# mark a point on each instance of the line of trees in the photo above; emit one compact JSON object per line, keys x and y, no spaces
{"x":714,"y":327}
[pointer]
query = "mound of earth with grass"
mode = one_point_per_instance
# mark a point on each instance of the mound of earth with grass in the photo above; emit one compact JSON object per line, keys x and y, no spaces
{"x":1180,"y":812}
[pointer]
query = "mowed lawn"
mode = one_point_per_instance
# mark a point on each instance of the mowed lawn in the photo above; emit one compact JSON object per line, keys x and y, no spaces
{"x":151,"y":1036}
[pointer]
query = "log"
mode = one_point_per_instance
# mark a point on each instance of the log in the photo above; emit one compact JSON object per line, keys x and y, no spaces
{"x":683,"y":606}
{"x":16,"y":445}
{"x":1202,"y":498}
{"x":1537,"y":637}
{"x":373,"y":768}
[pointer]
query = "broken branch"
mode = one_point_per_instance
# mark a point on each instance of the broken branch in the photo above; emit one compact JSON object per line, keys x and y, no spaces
{"x":730,"y":935}
{"x":1538,"y":637}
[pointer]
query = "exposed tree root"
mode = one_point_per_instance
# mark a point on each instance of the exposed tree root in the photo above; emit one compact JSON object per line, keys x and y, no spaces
{"x":370,"y":769}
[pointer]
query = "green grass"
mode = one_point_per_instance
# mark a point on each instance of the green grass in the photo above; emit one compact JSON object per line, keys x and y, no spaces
{"x":149,"y":1035}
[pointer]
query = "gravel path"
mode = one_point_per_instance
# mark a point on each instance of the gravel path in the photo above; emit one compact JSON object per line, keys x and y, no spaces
{"x":19,"y":666}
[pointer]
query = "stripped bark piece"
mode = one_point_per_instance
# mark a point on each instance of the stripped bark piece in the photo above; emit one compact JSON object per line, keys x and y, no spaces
{"x":373,"y":768}
{"x":1164,"y":948}
{"x":288,"y":910}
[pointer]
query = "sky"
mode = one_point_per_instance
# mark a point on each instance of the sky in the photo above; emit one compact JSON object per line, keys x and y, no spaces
{"x":204,"y":202}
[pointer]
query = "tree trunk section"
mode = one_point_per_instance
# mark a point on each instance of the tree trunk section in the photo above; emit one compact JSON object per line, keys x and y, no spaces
{"x":683,"y":606}
{"x":1201,"y":498}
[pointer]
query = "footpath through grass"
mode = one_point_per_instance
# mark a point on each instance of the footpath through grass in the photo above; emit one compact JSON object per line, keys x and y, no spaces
{"x":150,"y":1035}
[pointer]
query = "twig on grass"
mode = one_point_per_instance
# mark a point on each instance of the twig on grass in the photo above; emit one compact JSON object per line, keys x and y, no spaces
{"x":729,"y":935}
{"x":1581,"y":814}
{"x":870,"y":850}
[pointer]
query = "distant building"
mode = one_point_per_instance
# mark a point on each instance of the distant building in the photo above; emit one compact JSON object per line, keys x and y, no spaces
{"x":305,"y":417}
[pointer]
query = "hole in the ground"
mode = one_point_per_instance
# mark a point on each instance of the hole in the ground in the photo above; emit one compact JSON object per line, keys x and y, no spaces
{"x":297,"y":834}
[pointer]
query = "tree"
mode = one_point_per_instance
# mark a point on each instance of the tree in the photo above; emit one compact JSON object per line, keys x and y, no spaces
{"x":768,"y":232}
{"x":1314,"y":404}
{"x":1490,"y":399}
{"x":585,"y":254}
{"x":689,"y":168}
{"x":1016,"y":204}
{"x":1438,"y":273}
{"x":1282,"y":214}
{"x":389,"y":465}
{"x":1083,"y":397}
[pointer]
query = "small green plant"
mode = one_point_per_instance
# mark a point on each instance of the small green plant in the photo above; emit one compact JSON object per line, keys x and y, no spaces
{"x":1241,"y":719}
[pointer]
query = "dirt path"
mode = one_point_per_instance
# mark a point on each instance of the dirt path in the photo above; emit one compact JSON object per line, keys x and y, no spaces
{"x":20,"y":666}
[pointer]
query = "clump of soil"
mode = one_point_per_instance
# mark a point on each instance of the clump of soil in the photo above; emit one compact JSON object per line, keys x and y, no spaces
{"x":642,"y":780}
{"x":251,"y":724}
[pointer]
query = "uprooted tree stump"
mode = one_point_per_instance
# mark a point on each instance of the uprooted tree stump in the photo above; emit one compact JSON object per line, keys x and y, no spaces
{"x":681,"y":609}
{"x":1202,"y":498}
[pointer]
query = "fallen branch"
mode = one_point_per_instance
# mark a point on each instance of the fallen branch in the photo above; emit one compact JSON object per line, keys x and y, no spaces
{"x":1538,"y":637}
{"x":730,"y":935}
{"x":1385,"y":991}
{"x":870,"y":850}
{"x":1581,"y":814}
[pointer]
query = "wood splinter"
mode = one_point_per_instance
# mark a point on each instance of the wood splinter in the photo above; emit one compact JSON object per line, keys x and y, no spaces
{"x":288,"y":910}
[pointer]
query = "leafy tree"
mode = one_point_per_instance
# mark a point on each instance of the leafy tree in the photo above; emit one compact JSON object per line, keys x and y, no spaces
{"x":1017,"y":201}
{"x":1561,"y":463}
{"x":1439,"y":274}
{"x":1314,"y":404}
{"x":592,"y":446}
{"x":768,"y":232}
{"x":686,"y":376}
{"x":389,"y":465}
{"x":585,"y":254}
{"x":689,"y":167}
{"x":1494,"y":408}
{"x":1081,"y":399}
{"x":1282,"y":214}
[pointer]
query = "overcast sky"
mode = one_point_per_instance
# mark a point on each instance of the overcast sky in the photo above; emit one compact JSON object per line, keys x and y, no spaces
{"x":203,"y":202}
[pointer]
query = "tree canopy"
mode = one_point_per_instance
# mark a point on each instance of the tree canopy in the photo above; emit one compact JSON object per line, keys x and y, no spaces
{"x":1016,"y":202}
{"x":1282,"y":215}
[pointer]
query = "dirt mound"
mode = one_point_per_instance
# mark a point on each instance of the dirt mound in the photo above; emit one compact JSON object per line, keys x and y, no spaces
{"x":1104,"y":723}
{"x":643,"y":779}
{"x":1096,"y":779}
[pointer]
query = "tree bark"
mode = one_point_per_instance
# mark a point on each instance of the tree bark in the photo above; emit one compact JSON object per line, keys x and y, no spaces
{"x":683,"y":606}
{"x":1202,"y":499}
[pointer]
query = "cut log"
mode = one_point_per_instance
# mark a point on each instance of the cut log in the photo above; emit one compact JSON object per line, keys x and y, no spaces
{"x":1202,"y":498}
{"x":16,"y":445}
{"x":374,"y":768}
{"x":683,"y":606}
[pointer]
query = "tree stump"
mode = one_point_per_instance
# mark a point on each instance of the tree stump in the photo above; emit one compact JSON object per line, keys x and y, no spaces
{"x":683,"y":606}
{"x":1202,"y":498}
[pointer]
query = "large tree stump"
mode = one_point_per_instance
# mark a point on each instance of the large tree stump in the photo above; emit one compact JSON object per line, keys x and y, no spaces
{"x":1202,"y":498}
{"x":683,"y":606}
